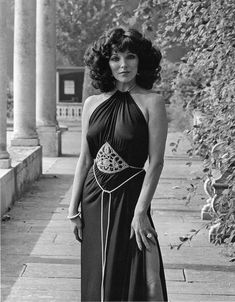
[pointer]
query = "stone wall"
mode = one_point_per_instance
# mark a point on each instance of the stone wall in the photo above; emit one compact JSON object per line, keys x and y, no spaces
{"x":26,"y":168}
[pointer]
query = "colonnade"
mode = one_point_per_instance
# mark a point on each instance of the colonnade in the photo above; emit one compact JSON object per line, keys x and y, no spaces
{"x":34,"y":83}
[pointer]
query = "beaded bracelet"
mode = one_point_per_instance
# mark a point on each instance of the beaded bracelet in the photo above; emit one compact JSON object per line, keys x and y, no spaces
{"x":74,"y":216}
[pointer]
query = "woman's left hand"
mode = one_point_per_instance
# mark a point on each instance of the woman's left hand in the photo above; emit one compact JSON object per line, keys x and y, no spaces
{"x":143,"y":231}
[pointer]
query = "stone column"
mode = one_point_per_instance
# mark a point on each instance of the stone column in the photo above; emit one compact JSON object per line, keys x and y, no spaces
{"x":46,"y":77}
{"x":25,"y":74}
{"x":4,"y":155}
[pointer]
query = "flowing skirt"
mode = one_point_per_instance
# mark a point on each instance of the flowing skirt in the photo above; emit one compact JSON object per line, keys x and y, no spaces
{"x":112,"y":266}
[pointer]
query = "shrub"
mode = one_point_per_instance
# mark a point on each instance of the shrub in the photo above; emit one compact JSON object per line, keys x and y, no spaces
{"x":206,"y":82}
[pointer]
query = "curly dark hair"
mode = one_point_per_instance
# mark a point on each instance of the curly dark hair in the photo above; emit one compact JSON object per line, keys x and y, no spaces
{"x":118,"y":39}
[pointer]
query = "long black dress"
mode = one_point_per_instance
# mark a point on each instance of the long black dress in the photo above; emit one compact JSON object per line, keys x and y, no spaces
{"x":112,"y":266}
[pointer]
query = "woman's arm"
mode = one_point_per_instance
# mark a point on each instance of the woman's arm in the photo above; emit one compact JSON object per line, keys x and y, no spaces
{"x":157,"y":139}
{"x":84,"y":162}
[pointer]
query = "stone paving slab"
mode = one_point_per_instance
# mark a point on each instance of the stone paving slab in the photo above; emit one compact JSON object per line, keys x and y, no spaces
{"x":42,"y":203}
{"x":48,"y":270}
{"x":47,"y":163}
{"x":48,"y":295}
{"x":21,"y":228}
{"x":40,"y":248}
{"x":26,"y":214}
{"x":176,"y":207}
{"x":161,"y":202}
{"x":200,"y":298}
{"x":54,"y":230}
{"x":173,"y":237}
{"x":176,"y":170}
{"x":175,"y":189}
{"x":214,"y":288}
{"x":174,"y":275}
{"x":206,"y":276}
{"x":32,"y":284}
{"x":46,"y":223}
{"x":174,"y":216}
{"x":13,"y":268}
{"x":54,"y":250}
{"x":195,"y":256}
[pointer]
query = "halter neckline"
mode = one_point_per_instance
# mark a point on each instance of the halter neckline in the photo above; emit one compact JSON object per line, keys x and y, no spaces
{"x":128,"y":90}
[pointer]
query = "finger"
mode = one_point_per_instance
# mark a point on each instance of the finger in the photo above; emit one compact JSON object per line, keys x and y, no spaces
{"x":154,"y":233}
{"x":80,"y":235}
{"x":138,"y":241}
{"x":153,"y":240}
{"x":75,"y":231}
{"x":145,"y":241}
{"x":132,"y":233}
{"x":152,"y":230}
{"x":153,"y":236}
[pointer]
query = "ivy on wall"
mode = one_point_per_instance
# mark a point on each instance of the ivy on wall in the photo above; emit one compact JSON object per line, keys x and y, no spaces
{"x":206,"y":82}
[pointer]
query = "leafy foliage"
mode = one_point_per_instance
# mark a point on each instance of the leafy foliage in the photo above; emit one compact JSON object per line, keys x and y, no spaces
{"x":206,"y":82}
{"x":79,"y":22}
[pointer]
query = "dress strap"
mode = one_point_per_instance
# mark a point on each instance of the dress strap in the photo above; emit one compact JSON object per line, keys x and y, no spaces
{"x":104,"y":242}
{"x":114,"y":189}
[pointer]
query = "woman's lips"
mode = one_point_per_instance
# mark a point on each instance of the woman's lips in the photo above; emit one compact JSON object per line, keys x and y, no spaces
{"x":124,"y":72}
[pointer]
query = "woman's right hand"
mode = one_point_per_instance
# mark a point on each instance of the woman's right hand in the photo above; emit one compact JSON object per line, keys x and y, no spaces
{"x":76,"y":225}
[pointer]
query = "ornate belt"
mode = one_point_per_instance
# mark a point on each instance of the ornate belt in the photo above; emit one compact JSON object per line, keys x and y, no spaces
{"x":108,"y":161}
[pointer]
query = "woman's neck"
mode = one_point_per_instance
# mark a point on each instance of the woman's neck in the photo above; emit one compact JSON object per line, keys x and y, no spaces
{"x":125,"y":86}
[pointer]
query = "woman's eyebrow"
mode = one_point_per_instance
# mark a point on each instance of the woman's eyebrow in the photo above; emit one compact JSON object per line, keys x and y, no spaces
{"x":118,"y":52}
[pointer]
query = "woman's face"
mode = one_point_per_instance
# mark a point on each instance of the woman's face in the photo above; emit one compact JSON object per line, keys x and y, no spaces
{"x":124,"y":66}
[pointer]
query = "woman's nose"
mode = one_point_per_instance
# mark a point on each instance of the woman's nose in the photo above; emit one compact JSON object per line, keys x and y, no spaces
{"x":123,"y":63}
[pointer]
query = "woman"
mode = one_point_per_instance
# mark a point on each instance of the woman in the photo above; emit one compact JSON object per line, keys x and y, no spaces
{"x":121,"y":128}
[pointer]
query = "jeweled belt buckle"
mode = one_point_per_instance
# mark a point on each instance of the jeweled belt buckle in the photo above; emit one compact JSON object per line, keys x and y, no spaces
{"x":108,"y":160}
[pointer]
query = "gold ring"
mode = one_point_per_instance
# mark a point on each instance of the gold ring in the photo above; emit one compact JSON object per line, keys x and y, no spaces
{"x":149,"y":235}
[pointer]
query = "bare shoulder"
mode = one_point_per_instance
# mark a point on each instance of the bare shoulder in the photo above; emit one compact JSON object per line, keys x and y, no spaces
{"x":156,"y":110}
{"x":92,"y":102}
{"x":92,"y":99}
{"x":149,"y":95}
{"x":152,"y":100}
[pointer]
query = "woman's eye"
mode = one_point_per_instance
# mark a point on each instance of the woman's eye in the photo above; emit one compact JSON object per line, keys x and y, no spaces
{"x":131,"y":56}
{"x":114,"y":59}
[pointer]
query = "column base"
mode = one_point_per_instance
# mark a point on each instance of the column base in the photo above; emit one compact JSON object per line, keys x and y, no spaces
{"x":50,"y":140}
{"x":25,"y":142}
{"x":4,"y":154}
{"x":5,"y":163}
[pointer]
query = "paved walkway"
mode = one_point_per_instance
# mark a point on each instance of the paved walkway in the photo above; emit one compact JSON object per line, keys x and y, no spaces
{"x":40,"y":258}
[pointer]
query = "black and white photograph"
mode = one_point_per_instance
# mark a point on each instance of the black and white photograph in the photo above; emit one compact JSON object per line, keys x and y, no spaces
{"x":117,"y":150}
